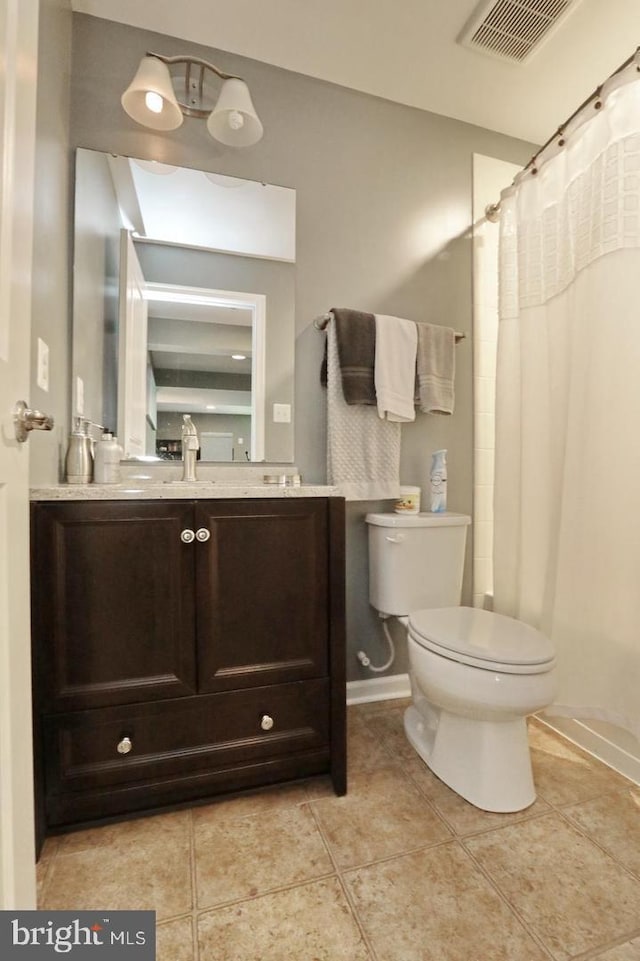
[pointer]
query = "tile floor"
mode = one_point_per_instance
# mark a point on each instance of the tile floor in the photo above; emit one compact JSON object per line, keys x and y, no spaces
{"x":401,"y":869}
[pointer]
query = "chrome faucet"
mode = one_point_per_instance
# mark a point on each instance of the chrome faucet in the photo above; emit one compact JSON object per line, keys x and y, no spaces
{"x":190,"y":447}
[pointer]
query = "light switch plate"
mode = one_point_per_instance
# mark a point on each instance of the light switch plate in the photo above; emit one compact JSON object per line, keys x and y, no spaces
{"x":42,"y":377}
{"x":282,"y":413}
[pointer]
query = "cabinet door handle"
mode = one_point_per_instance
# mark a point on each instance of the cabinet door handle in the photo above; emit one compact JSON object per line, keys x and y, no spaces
{"x":202,"y":534}
{"x":124,"y":746}
{"x":187,"y":536}
{"x":266,"y":722}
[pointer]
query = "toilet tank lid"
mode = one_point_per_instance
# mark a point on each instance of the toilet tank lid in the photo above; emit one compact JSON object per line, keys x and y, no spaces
{"x":443,"y":519}
{"x":482,"y":635}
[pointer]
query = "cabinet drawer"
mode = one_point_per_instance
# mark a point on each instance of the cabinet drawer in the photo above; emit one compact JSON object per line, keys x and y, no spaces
{"x":183,"y":737}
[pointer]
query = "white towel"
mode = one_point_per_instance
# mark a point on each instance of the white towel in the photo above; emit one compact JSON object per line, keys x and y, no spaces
{"x":436,"y":368}
{"x":395,"y":367}
{"x":363,"y":452}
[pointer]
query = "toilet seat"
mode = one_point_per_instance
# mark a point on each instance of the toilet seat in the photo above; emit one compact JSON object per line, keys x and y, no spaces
{"x":482,"y":639}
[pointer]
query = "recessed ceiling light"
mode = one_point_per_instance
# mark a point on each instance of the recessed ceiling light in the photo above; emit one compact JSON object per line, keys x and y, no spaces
{"x":238,"y":357}
{"x":210,"y":406}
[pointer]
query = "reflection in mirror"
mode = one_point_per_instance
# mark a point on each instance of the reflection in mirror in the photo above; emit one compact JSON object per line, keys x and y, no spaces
{"x":183,"y":303}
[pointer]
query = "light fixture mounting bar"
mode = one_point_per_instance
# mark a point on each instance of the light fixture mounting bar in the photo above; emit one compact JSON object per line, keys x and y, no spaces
{"x":192,"y":100}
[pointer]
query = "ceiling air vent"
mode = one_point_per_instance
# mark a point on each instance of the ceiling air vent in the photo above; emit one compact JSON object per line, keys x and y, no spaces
{"x":514,"y":29}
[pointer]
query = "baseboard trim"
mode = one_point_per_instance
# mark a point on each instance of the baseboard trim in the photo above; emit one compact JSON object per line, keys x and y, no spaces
{"x":378,"y":689}
{"x":602,"y":748}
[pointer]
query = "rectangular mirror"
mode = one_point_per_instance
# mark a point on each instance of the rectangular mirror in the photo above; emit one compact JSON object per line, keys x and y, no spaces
{"x":183,"y":302}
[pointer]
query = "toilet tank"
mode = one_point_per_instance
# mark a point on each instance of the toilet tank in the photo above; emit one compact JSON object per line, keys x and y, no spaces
{"x":416,"y":561}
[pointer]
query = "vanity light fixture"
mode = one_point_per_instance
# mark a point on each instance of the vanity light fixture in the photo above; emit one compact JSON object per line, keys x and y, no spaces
{"x":165,"y":90}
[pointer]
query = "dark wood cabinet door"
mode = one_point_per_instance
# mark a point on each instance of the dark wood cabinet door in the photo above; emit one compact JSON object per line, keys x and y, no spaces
{"x":263,"y":592}
{"x":113,"y":603}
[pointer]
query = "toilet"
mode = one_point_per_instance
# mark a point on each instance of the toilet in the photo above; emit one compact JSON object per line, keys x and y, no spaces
{"x":475,"y":675}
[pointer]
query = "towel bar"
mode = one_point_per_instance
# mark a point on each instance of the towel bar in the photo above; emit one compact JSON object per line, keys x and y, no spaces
{"x":321,"y":322}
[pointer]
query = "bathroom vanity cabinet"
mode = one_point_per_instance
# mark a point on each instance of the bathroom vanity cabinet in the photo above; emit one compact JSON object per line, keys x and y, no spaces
{"x":183,"y":649}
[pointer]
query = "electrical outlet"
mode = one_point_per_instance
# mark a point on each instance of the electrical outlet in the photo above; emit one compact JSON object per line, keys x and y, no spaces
{"x":282,"y":413}
{"x":42,"y":377}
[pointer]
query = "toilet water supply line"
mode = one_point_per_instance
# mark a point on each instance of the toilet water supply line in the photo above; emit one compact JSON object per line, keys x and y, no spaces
{"x":363,"y":657}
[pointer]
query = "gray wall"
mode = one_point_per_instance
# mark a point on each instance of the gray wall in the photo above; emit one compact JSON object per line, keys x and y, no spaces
{"x":51,"y":239}
{"x":383,"y":224}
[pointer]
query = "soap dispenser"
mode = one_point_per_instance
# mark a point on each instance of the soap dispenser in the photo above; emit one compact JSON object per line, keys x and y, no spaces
{"x":79,"y":459}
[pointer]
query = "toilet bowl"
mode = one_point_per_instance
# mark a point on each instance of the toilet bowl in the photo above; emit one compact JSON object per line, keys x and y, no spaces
{"x":475,"y":676}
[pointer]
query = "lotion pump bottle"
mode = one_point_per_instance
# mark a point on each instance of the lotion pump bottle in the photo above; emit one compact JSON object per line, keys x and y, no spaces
{"x":439,"y":481}
{"x":108,"y":454}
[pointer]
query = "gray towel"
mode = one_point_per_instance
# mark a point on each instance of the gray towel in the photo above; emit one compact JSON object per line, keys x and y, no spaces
{"x":435,"y":369}
{"x":356,"y":339}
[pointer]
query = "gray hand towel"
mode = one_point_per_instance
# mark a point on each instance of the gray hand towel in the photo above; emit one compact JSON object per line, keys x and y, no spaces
{"x":435,"y":369}
{"x":356,"y":340}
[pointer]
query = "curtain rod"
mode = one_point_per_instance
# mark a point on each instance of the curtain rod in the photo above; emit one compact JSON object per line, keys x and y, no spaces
{"x":492,"y":211}
{"x":321,"y":322}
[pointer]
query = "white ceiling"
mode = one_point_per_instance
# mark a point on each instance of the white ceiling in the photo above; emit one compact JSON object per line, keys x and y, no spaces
{"x":406,"y":51}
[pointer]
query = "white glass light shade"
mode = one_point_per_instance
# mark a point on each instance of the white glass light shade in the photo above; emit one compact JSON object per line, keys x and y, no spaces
{"x":152,"y":77}
{"x":234,"y":120}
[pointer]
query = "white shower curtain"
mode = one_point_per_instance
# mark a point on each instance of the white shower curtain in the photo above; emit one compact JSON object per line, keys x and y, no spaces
{"x":567,"y":486}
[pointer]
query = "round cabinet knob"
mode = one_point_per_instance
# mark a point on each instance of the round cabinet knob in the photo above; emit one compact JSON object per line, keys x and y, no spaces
{"x":124,"y":746}
{"x":202,"y":534}
{"x":266,"y":722}
{"x":187,"y":536}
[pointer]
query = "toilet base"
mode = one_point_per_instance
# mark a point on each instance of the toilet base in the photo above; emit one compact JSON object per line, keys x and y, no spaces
{"x":485,"y":762}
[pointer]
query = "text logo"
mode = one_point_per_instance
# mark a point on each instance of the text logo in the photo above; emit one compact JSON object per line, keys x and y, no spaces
{"x":78,"y":935}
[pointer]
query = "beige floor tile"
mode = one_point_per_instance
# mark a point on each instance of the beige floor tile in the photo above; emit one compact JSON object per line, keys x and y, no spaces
{"x":312,"y":922}
{"x":143,"y":876}
{"x":163,"y":828}
{"x":389,"y":728}
{"x":613,"y":820}
{"x":624,"y":952}
{"x":568,"y":891}
{"x":435,"y":905}
{"x":565,"y":775}
{"x":382,"y":815}
{"x":365,"y":749}
{"x":254,"y":802}
{"x":319,"y":787}
{"x":42,"y":874}
{"x":49,"y":848}
{"x":428,"y":783}
{"x":174,"y":940}
{"x":466,"y":819}
{"x":244,"y":857}
{"x":141,"y":864}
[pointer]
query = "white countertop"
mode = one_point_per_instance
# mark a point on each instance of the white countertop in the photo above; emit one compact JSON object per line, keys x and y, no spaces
{"x":131,"y":489}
